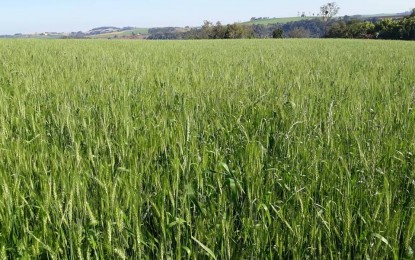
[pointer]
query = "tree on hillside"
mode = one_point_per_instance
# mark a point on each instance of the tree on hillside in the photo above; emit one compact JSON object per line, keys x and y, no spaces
{"x":329,"y":10}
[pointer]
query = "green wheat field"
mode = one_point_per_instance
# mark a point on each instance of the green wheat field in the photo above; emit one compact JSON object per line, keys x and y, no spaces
{"x":233,"y":149}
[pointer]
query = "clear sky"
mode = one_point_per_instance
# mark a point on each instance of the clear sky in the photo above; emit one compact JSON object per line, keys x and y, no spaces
{"x":28,"y":16}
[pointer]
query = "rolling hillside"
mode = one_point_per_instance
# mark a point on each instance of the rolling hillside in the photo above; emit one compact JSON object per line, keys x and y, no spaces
{"x":296,"y":19}
{"x":131,"y":32}
{"x":278,"y":20}
{"x":135,"y":31}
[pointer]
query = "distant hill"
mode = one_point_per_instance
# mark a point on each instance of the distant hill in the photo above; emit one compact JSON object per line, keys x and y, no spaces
{"x":108,"y":32}
{"x":266,"y":21}
{"x":283,"y":20}
{"x":104,"y":32}
{"x":45,"y":35}
{"x":121,"y":33}
{"x":397,"y":15}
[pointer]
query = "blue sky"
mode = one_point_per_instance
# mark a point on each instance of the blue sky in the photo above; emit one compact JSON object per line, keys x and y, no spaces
{"x":28,"y":16}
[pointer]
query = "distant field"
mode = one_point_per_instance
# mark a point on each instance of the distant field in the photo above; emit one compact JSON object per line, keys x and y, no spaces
{"x":233,"y":149}
{"x":279,"y":20}
{"x":296,"y":19}
{"x":51,"y":36}
{"x":381,"y":15}
{"x":123,"y":33}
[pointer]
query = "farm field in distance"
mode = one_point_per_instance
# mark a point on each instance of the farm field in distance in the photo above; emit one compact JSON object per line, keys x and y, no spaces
{"x":281,"y":20}
{"x":121,"y":33}
{"x":232,"y":149}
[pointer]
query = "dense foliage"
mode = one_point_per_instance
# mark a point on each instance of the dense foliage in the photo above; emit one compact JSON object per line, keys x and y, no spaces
{"x":257,"y":149}
{"x":326,"y":26}
{"x":313,"y":28}
{"x":219,"y":31}
{"x":403,"y":29}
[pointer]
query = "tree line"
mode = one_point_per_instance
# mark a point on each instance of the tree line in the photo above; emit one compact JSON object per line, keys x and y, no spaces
{"x":313,"y":28}
{"x":326,"y":25}
{"x":402,"y":29}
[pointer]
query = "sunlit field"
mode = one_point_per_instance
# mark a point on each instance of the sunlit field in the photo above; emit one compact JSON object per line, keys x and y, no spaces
{"x":245,"y":149}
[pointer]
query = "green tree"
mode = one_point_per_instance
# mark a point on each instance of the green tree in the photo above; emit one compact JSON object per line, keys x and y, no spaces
{"x":388,"y":29}
{"x":207,"y":30}
{"x":277,"y":33}
{"x":238,"y":31}
{"x":219,"y":31}
{"x":337,"y":30}
{"x":407,"y":30}
{"x":360,"y":30}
